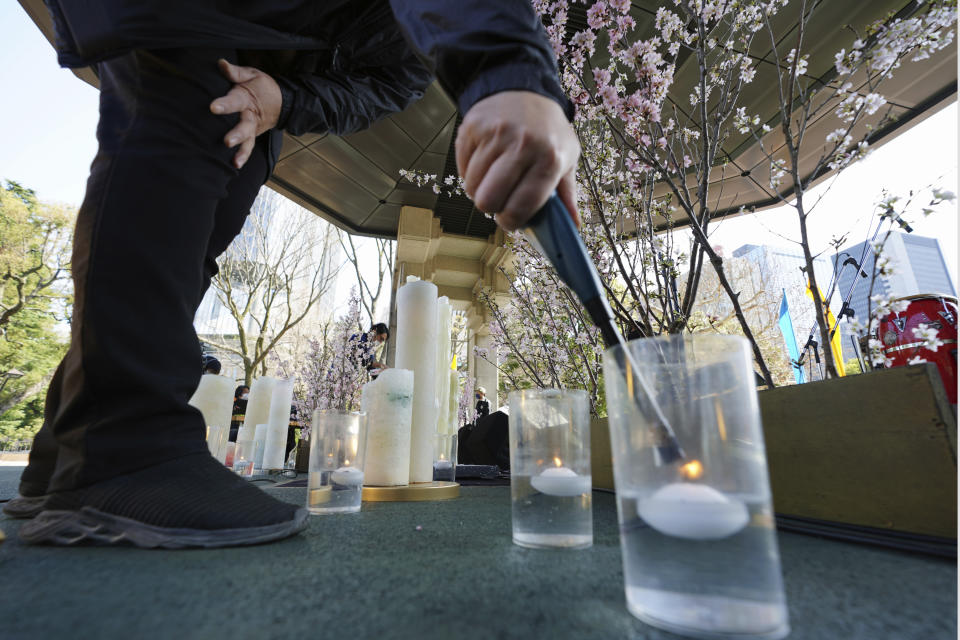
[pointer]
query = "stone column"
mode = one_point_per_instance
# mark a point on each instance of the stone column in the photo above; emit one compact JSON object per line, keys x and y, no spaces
{"x":487,"y":374}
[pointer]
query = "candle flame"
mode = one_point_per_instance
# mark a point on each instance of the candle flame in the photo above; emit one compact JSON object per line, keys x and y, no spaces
{"x":692,"y":470}
{"x":557,"y":461}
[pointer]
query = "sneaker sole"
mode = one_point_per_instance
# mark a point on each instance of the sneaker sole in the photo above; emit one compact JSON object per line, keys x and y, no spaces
{"x":88,"y":526}
{"x":23,"y":507}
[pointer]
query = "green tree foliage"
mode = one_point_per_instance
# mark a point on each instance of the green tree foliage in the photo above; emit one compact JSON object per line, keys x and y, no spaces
{"x":34,"y":294}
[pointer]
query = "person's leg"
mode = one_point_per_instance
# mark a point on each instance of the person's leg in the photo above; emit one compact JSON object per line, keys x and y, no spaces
{"x":230,"y":215}
{"x":231,"y":212}
{"x":43,"y":459}
{"x":43,"y":451}
{"x":130,"y":446}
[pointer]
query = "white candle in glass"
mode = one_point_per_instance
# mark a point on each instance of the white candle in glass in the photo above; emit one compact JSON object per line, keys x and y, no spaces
{"x":443,"y":363}
{"x":417,"y":352}
{"x":279,"y":423}
{"x":214,"y":399}
{"x":561,"y":481}
{"x":693,"y":511}
{"x":388,"y":403}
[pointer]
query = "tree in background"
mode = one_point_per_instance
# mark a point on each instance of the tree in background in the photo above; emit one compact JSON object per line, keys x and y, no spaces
{"x":894,"y":211}
{"x":35,"y":247}
{"x":332,"y":372}
{"x":373,"y":287}
{"x":851,"y":90}
{"x":760,"y":285}
{"x":270,"y":280}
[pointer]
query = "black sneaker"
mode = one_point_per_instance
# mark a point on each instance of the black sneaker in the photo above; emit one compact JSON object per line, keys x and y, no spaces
{"x":24,"y":506}
{"x":192,"y":501}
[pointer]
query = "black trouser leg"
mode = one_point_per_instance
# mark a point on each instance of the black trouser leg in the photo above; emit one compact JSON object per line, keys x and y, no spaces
{"x":230,"y":215}
{"x":232,"y":211}
{"x":139,"y":251}
{"x":43,"y":451}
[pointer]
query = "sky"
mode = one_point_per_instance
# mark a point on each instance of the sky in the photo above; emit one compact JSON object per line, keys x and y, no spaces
{"x":48,"y":131}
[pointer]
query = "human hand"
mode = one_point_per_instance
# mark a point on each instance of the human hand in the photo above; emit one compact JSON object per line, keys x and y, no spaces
{"x":513,"y":149}
{"x":256,"y":97}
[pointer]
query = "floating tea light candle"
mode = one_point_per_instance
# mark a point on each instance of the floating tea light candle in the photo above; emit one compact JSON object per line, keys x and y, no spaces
{"x":693,"y":511}
{"x":561,"y":481}
{"x":347,"y":476}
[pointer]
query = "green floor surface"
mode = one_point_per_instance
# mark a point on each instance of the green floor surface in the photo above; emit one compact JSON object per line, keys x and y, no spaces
{"x":375,"y":575}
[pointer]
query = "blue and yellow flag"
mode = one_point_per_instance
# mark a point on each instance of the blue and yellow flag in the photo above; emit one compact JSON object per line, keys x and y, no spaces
{"x":786,"y":328}
{"x":835,"y":339}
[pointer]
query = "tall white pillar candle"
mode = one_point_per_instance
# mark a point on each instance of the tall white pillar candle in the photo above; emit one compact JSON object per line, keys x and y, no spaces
{"x":453,"y":401}
{"x":388,"y":403}
{"x":214,"y":399}
{"x":417,"y":352}
{"x":278,"y":424}
{"x":443,"y":363}
{"x":260,"y":435}
{"x":258,"y":403}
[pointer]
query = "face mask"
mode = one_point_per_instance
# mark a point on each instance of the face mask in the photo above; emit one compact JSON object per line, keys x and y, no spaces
{"x":478,"y":396}
{"x":243,"y":396}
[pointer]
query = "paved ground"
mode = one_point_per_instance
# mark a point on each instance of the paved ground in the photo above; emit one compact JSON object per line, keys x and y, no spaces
{"x":373,"y":575}
{"x":9,"y":478}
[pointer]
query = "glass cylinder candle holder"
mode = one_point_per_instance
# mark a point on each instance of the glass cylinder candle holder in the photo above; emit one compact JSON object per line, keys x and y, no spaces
{"x":697,"y":532}
{"x":230,"y":449}
{"x":550,"y":481}
{"x":445,"y":458}
{"x":217,"y":441}
{"x":337,"y":448}
{"x":245,"y":455}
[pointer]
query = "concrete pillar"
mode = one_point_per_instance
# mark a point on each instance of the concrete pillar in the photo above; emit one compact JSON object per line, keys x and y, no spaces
{"x":488,"y":376}
{"x":461,"y":267}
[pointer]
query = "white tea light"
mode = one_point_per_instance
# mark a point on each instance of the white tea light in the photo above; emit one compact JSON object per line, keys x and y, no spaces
{"x":561,"y":481}
{"x":347,"y":476}
{"x":694,"y":512}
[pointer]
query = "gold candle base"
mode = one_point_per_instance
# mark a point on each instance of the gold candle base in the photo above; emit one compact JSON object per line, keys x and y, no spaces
{"x":438,"y":490}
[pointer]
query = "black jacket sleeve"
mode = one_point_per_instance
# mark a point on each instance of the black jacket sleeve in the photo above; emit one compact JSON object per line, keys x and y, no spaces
{"x":347,"y":100}
{"x":480,"y":47}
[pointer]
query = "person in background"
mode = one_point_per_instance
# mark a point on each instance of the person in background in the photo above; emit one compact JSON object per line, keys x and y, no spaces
{"x":483,"y":406}
{"x":240,"y":395}
{"x":369,"y":343}
{"x":211,"y":365}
